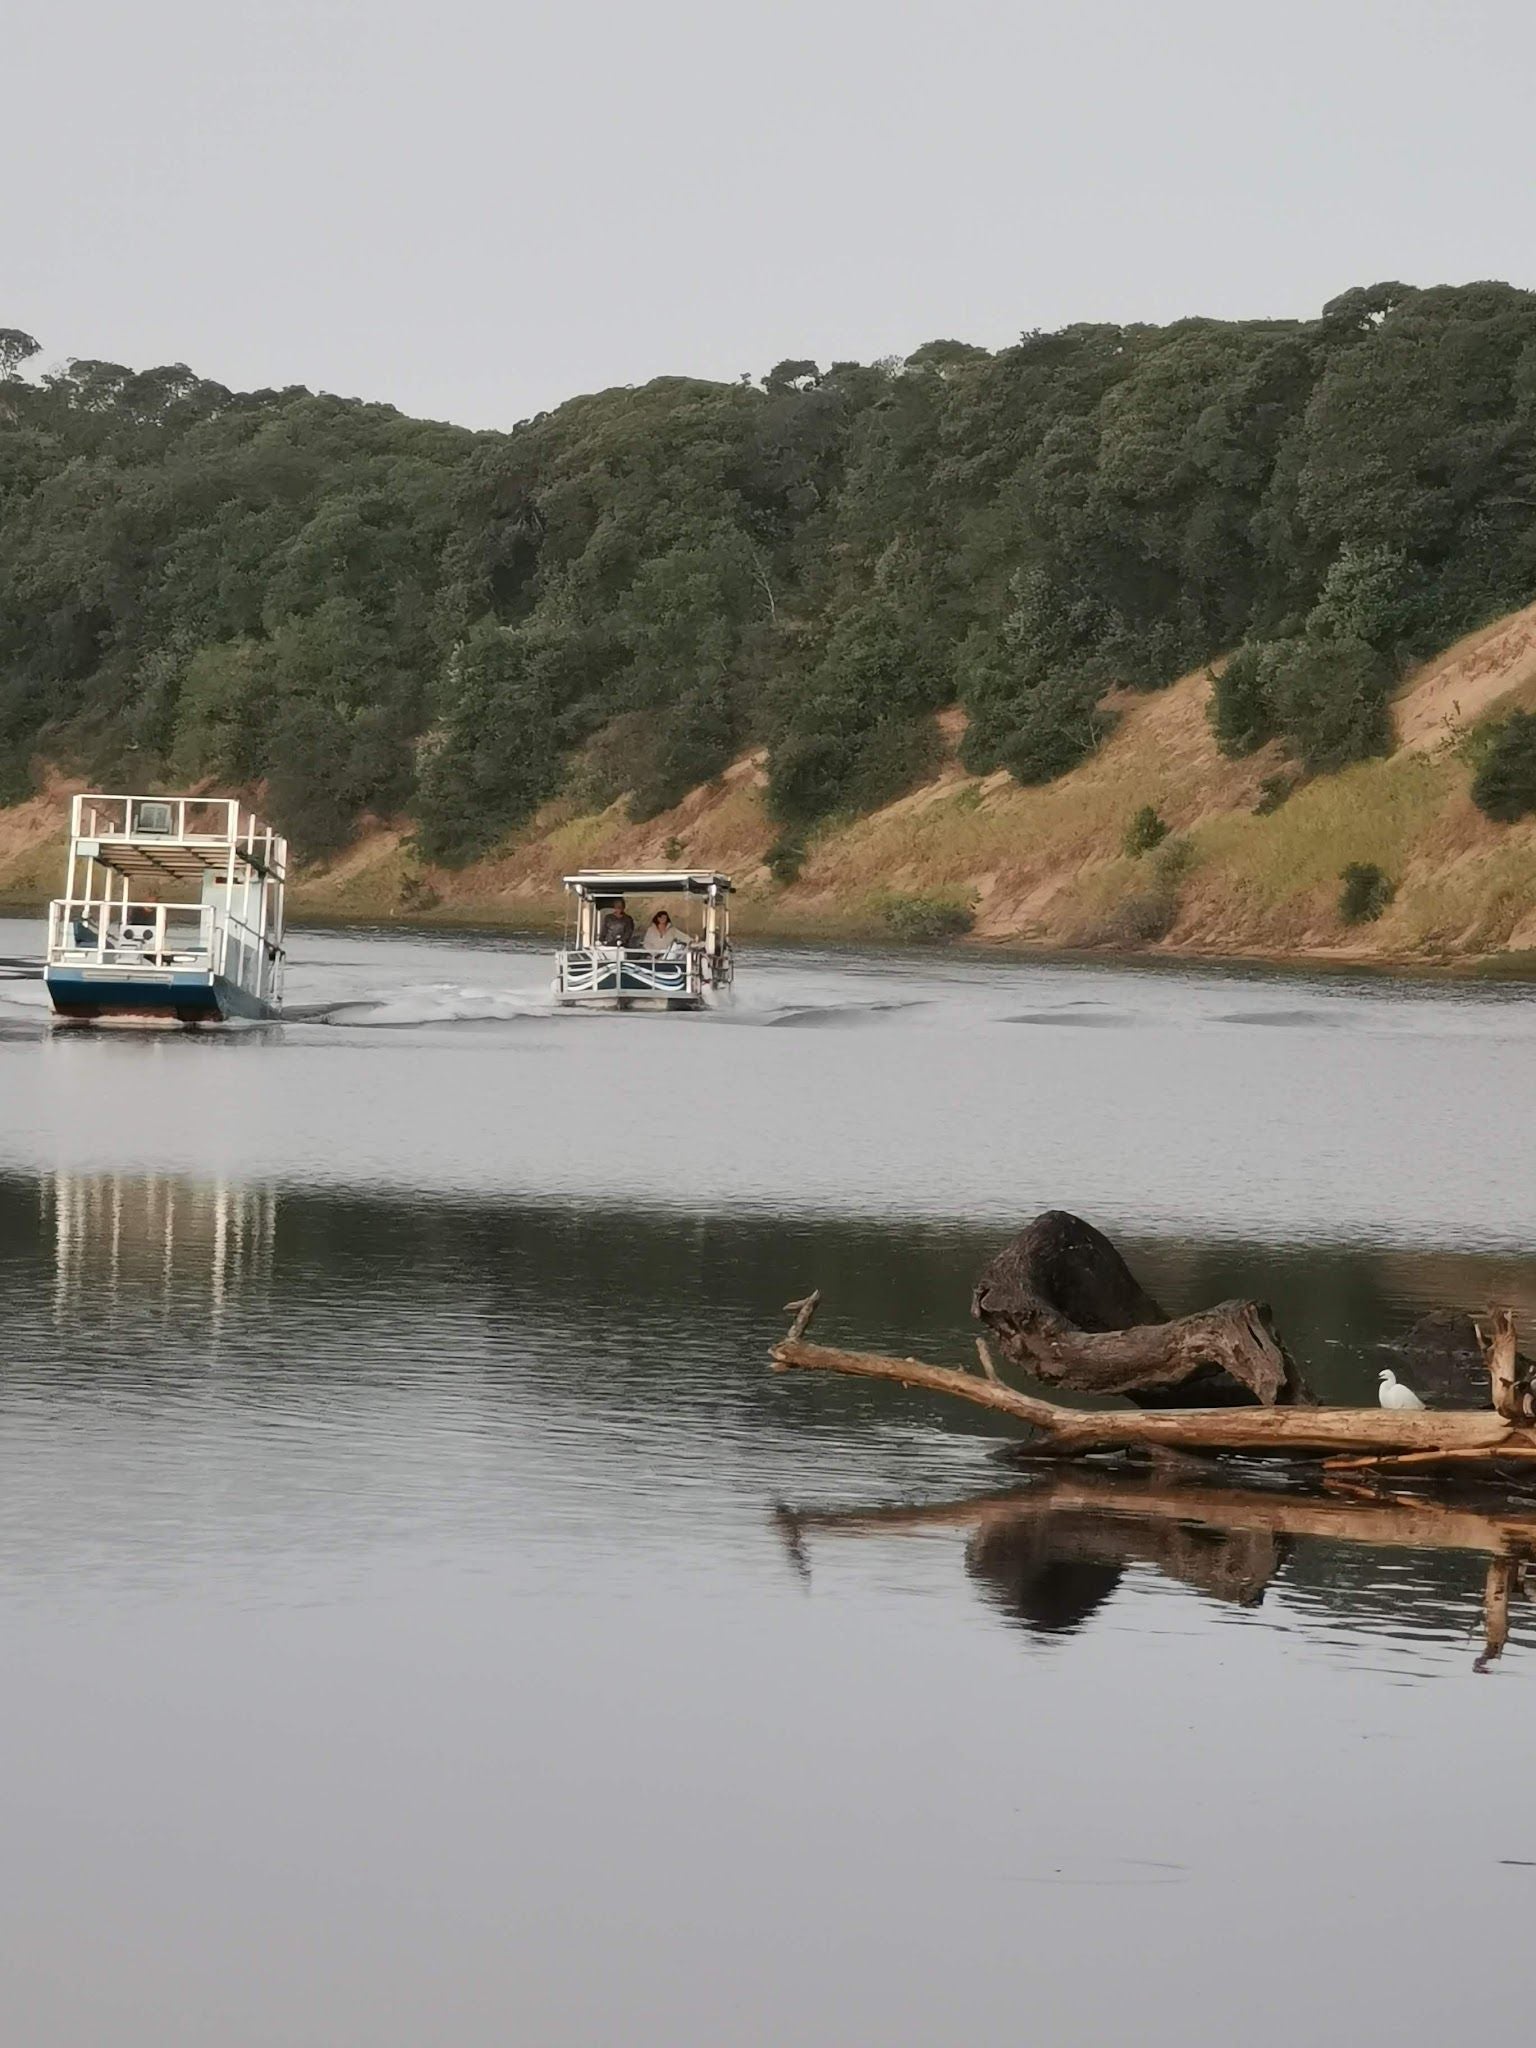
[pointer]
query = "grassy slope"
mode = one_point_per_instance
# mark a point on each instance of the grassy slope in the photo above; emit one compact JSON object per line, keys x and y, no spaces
{"x":1045,"y":865}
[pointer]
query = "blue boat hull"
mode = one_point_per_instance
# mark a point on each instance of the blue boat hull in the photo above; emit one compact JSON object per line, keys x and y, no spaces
{"x":97,"y":995}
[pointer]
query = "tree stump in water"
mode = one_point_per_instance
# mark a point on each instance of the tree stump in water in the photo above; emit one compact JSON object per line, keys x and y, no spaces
{"x":1441,"y":1358}
{"x":1064,"y":1306}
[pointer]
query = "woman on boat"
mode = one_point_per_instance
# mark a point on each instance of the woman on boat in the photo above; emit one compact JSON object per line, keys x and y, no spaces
{"x":659,"y":935}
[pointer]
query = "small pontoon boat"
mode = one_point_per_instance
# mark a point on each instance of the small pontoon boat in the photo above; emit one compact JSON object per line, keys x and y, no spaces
{"x":684,"y":974}
{"x":210,"y":947}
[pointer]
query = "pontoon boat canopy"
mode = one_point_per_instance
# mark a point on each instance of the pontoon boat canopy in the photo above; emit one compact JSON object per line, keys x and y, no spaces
{"x":652,"y":882}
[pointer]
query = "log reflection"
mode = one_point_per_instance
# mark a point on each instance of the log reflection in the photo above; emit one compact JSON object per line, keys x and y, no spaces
{"x":1048,"y":1557}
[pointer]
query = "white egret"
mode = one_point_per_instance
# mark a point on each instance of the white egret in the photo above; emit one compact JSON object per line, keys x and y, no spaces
{"x":1394,"y":1394}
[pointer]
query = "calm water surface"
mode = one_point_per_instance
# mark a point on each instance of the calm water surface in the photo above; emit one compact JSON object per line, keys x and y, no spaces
{"x":428,"y":1620}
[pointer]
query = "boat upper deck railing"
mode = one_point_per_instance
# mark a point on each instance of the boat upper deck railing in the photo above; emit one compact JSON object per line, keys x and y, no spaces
{"x":201,"y":827}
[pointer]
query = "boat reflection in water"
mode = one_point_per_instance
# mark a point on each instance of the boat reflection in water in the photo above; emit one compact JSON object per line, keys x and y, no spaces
{"x":1048,"y":1557}
{"x":151,"y":1240}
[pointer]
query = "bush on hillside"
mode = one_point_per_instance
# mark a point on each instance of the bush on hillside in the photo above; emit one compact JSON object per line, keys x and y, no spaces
{"x":1366,"y":892}
{"x":1174,"y":861}
{"x":925,"y":920}
{"x":786,"y":857}
{"x":1145,"y":831}
{"x":1240,"y":711}
{"x":1141,"y":919}
{"x":1504,"y":786}
{"x":1273,"y":791}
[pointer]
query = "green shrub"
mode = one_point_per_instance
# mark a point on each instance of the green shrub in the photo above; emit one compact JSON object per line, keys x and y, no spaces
{"x":1504,"y":786}
{"x":1174,"y":862}
{"x":1142,"y":919}
{"x":786,"y":857}
{"x":1273,"y":791}
{"x":924,"y":920}
{"x":1151,"y":910}
{"x":1145,"y":831}
{"x":673,"y":849}
{"x":1240,"y":711}
{"x":417,"y":893}
{"x":1366,"y":892}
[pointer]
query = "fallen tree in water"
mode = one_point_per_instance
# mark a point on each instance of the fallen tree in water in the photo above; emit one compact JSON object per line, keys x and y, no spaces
{"x":1346,"y":1439}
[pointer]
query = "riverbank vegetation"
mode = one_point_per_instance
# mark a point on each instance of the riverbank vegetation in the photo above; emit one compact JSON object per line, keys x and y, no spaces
{"x":367,"y":615}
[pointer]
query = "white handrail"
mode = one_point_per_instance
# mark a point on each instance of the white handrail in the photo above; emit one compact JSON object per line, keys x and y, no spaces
{"x":600,"y":971}
{"x":125,"y":942}
{"x":148,"y":945}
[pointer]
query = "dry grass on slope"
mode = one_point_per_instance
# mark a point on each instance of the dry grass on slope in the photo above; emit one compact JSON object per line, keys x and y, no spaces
{"x":723,"y":824}
{"x":34,"y":837}
{"x":1048,"y":864}
{"x":1461,"y":686}
{"x":1041,"y":862}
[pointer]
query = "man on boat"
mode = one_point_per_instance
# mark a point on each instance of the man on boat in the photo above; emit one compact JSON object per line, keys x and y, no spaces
{"x":618,"y":927}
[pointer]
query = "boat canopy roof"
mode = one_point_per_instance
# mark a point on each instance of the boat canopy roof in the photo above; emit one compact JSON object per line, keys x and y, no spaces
{"x":649,"y":882}
{"x":180,"y":838}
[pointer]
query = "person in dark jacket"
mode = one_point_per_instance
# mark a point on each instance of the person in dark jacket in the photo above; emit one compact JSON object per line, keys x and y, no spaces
{"x":617,"y":927}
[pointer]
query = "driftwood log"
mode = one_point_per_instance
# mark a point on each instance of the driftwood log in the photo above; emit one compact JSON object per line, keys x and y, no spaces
{"x":1062,"y":1303}
{"x":1353,"y":1439}
{"x":1443,"y":1358}
{"x":1508,"y":1373}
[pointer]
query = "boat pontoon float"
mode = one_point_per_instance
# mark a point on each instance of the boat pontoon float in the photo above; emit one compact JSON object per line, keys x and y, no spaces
{"x":172,"y":913}
{"x":687,"y":974}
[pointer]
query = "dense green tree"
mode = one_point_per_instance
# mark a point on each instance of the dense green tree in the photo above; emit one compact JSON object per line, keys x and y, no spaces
{"x":1330,"y":699}
{"x":346,"y":611}
{"x":495,"y":757}
{"x":858,"y":730}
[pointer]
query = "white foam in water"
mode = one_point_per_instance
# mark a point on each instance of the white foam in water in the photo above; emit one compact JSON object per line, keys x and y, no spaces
{"x":441,"y":1002}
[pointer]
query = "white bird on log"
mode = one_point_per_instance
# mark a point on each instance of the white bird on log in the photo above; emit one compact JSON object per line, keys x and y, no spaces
{"x":1394,"y":1394}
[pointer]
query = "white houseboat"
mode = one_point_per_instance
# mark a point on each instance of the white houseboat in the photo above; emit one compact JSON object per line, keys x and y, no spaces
{"x":615,"y":957}
{"x":172,"y":913}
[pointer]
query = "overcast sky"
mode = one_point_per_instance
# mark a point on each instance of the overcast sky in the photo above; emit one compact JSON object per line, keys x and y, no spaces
{"x":476,"y":208}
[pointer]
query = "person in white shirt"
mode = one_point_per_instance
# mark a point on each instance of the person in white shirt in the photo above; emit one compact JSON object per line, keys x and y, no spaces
{"x":659,"y":935}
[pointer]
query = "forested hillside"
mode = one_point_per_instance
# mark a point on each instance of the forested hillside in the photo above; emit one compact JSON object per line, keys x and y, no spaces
{"x":371,"y":614}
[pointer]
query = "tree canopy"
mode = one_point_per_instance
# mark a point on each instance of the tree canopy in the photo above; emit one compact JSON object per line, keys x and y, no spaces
{"x":355,"y":612}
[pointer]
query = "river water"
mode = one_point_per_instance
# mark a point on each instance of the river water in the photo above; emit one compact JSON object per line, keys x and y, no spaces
{"x":428,"y":1619}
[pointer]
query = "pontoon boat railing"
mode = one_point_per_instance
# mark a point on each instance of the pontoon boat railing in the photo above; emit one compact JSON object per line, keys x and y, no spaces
{"x":596,"y":969}
{"x":91,"y":932}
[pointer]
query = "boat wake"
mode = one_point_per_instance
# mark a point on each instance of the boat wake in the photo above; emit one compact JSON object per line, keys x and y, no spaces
{"x":429,"y":1003}
{"x":831,"y":1016}
{"x":19,"y":1020}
